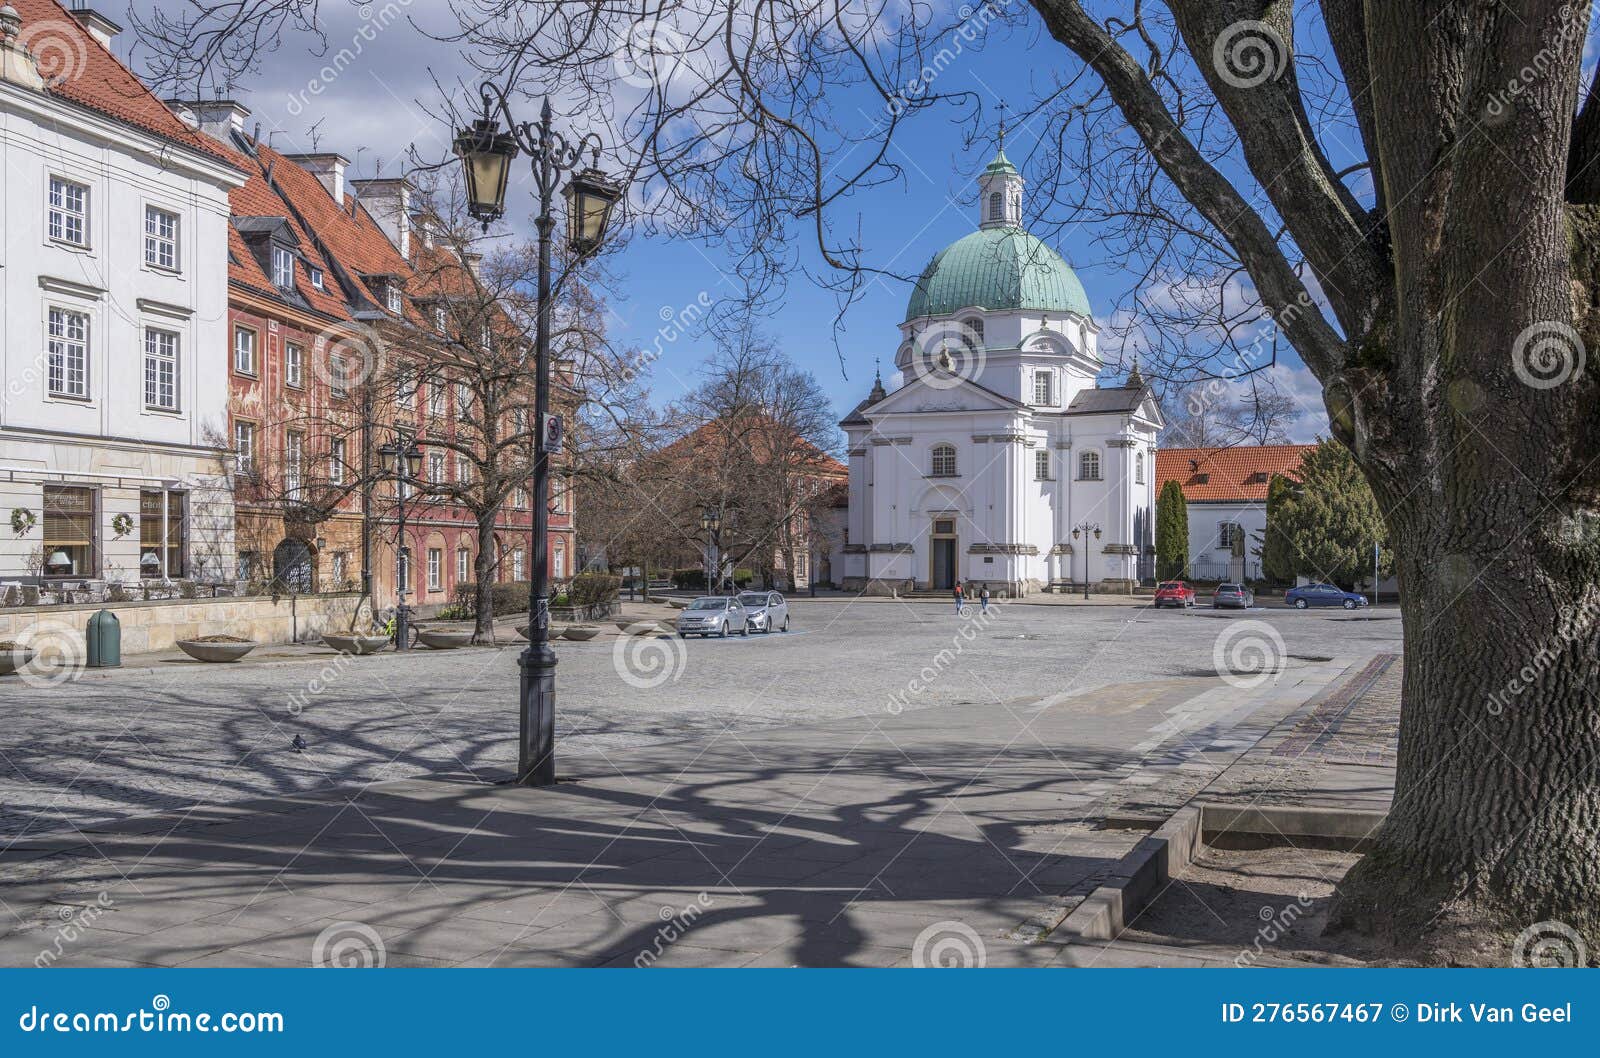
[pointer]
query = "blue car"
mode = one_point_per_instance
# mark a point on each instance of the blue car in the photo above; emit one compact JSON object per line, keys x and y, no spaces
{"x":1323,"y":595}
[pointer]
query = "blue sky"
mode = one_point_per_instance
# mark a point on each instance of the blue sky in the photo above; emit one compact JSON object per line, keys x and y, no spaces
{"x":379,"y":103}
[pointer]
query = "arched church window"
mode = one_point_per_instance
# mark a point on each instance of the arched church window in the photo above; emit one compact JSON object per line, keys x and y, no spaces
{"x":1089,"y":466}
{"x":997,"y":206}
{"x":943,"y":461}
{"x":1138,"y":468}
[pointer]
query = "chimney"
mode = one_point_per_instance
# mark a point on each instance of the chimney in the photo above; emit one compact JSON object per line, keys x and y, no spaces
{"x":217,"y":118}
{"x":389,"y":202}
{"x":99,"y":26}
{"x":16,"y":64}
{"x":327,"y":168}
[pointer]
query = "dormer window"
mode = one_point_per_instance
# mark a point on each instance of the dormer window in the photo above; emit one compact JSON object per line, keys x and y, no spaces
{"x":282,"y":268}
{"x":392,"y":293}
{"x":438,"y":318}
{"x":317,"y":279}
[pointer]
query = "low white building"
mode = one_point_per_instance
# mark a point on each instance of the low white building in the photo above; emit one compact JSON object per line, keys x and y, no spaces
{"x":113,"y":358}
{"x":997,"y":460}
{"x":1225,"y":491}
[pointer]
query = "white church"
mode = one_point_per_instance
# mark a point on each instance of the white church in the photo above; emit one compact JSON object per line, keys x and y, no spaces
{"x":998,"y":460}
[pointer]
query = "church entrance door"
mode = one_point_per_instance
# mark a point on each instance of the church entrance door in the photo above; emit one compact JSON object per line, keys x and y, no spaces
{"x":944,"y":554}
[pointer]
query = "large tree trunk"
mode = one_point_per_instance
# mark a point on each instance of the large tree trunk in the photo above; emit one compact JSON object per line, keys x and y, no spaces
{"x":484,"y":567}
{"x":1470,"y":413}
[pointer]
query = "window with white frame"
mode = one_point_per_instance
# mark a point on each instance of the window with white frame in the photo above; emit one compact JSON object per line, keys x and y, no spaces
{"x":436,"y":466}
{"x":436,"y":398}
{"x":463,"y":565}
{"x":244,"y":447}
{"x":1042,"y":388}
{"x":516,"y":564}
{"x":942,"y":463}
{"x":558,"y":499}
{"x":519,"y":497}
{"x":294,"y":453}
{"x":317,"y":279}
{"x":438,"y":318}
{"x":1228,"y":535}
{"x":463,"y":398}
{"x":1088,"y":466}
{"x":403,"y":569}
{"x":160,"y":238}
{"x":1041,"y":465}
{"x":558,"y":563}
{"x":294,"y":365}
{"x":340,"y":567}
{"x":69,"y":212}
{"x":405,"y":387}
{"x":244,"y":350}
{"x":463,"y":469}
{"x":435,"y":569}
{"x":336,"y":461}
{"x":160,"y":369}
{"x":392,"y":293}
{"x":283,"y":267}
{"x":68,"y":353}
{"x":1138,"y":468}
{"x":337,"y":382}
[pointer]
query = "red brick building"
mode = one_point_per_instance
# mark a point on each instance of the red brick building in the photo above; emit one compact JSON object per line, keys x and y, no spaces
{"x":327,"y":313}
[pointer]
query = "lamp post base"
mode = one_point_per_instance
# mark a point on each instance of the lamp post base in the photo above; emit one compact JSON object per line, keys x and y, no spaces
{"x":536,"y":758}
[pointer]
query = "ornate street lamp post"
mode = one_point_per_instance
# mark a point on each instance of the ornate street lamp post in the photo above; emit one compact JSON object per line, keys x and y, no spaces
{"x":1083,"y":530}
{"x":402,"y":458}
{"x":711,"y":522}
{"x":486,"y":154}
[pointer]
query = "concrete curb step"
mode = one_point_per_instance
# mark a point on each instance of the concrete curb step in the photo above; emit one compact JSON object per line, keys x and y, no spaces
{"x":1105,"y":913}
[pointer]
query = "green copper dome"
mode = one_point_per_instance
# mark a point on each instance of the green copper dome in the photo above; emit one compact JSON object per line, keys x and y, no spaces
{"x":997,"y":268}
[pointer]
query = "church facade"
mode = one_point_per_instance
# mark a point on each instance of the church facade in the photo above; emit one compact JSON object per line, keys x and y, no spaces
{"x":998,"y":460}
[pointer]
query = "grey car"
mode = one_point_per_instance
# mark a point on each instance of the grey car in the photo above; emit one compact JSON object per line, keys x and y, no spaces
{"x":713,"y":615}
{"x":768,"y":611}
{"x":1235,"y":596}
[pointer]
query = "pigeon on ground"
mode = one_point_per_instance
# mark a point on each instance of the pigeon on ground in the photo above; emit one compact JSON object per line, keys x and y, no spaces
{"x":299,"y":744}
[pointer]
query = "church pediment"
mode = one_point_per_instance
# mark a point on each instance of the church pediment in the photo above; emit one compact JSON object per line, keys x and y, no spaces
{"x":941,"y":393}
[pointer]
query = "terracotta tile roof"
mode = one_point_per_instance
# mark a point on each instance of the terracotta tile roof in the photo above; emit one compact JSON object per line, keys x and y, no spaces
{"x":348,"y":230}
{"x":257,"y":198}
{"x":92,"y":77}
{"x":718,"y":434}
{"x":1240,"y":472}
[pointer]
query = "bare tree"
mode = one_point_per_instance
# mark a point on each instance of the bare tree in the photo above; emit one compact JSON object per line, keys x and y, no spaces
{"x":1412,"y":209}
{"x":1203,"y":417}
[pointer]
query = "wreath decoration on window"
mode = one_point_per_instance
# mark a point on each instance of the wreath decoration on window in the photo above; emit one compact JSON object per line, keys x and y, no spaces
{"x":122,"y":524}
{"x":23,"y":520}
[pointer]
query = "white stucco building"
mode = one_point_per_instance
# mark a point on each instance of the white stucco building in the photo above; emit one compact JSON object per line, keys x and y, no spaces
{"x":113,"y":280}
{"x":997,"y":444}
{"x":1225,"y":493}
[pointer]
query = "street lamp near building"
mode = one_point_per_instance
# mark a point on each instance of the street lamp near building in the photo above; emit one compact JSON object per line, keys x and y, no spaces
{"x":711,"y":522}
{"x":486,"y":154}
{"x":1084,"y":530}
{"x":402,"y":459}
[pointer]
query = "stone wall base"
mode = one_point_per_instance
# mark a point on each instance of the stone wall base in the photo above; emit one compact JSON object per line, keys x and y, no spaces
{"x":156,"y":626}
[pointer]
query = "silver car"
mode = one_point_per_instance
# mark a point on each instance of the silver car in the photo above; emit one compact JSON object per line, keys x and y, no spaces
{"x":767,"y":610}
{"x":713,"y":615}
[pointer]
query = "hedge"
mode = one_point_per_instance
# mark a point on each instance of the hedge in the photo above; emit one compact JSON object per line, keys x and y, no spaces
{"x":511,"y":597}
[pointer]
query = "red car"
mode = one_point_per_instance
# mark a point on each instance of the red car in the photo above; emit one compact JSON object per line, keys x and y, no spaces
{"x":1174,"y":593}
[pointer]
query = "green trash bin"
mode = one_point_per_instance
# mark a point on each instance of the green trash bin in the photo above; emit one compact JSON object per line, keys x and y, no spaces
{"x":104,"y":636}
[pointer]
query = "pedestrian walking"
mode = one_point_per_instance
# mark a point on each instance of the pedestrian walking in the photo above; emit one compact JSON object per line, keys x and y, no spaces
{"x":960,"y":598}
{"x":983,"y":600}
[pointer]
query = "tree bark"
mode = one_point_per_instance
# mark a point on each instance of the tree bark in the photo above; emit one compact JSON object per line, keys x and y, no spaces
{"x":483,"y":568}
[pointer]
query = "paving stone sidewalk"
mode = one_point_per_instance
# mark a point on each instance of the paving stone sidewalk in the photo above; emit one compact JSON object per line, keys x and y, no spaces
{"x":961,"y":834}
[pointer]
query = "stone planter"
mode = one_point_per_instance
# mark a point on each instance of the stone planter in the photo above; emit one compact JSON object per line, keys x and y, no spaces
{"x":442,"y":639}
{"x":217,"y":652}
{"x":580,"y":633}
{"x":14,"y":659}
{"x":358,"y":645}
